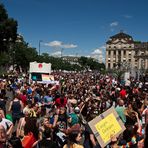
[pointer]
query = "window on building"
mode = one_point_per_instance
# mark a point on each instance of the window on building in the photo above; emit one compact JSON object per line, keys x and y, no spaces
{"x":119,"y":53}
{"x":124,"y":52}
{"x":142,"y":53}
{"x":114,"y":53}
{"x":109,"y":65}
{"x":114,"y":65}
{"x":114,"y":46}
{"x":136,"y":52}
{"x":109,"y":52}
{"x":129,"y":54}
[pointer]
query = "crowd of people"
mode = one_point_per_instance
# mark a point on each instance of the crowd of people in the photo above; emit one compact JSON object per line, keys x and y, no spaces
{"x":35,"y":115}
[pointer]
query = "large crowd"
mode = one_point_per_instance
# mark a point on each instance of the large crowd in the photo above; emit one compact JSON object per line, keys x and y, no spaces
{"x":35,"y":115}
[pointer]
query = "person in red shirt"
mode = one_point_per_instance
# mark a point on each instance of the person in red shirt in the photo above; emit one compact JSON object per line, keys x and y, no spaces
{"x":61,"y":101}
{"x":23,"y":98}
{"x":123,"y":93}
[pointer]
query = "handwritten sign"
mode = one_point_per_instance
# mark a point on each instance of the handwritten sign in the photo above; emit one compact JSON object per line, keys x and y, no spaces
{"x":106,"y":125}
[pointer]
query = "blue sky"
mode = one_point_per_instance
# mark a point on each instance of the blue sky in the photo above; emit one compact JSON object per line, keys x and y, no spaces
{"x":80,"y":27}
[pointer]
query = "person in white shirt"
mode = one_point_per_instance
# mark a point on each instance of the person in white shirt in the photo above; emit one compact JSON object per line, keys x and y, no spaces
{"x":7,"y":124}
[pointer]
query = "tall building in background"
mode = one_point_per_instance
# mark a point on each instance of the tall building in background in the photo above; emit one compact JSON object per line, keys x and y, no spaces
{"x":122,"y":50}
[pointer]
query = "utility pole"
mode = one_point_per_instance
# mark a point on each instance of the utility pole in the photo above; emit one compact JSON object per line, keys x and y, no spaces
{"x":40,"y":45}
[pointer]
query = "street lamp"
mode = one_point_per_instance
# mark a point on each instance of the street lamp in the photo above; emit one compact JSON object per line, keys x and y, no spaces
{"x":40,"y":45}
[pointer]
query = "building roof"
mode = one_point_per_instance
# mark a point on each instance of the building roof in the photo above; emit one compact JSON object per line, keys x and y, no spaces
{"x":120,"y":36}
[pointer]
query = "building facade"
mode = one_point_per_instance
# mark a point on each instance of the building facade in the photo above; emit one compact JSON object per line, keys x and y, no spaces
{"x":123,"y":51}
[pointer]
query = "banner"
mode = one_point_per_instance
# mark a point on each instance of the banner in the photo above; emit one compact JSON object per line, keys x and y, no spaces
{"x":40,"y":67}
{"x":106,"y":125}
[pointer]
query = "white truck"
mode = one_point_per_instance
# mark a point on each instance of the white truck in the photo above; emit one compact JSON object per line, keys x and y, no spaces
{"x":40,"y":72}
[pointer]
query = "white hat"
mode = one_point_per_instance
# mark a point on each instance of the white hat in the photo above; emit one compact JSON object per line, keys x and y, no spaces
{"x":77,"y":110}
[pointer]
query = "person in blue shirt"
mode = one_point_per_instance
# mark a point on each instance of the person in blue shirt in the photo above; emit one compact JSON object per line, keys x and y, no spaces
{"x":48,"y":100}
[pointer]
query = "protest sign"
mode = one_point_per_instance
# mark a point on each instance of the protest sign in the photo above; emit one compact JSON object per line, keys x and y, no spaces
{"x":106,"y":125}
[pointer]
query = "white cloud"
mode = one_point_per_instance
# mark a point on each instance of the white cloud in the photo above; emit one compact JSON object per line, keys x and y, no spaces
{"x":97,"y":51}
{"x":88,"y":56}
{"x":114,"y":24}
{"x":69,"y":46}
{"x":54,"y":44}
{"x":127,"y":16}
{"x":60,"y":44}
{"x":58,"y":53}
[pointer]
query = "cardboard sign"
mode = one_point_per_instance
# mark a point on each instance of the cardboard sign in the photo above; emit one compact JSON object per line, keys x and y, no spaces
{"x":106,"y":125}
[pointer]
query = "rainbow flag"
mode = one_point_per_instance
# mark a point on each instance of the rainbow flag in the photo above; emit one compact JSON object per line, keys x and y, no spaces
{"x":45,"y":77}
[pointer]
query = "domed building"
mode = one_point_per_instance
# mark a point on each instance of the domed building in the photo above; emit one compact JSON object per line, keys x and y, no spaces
{"x":123,"y":51}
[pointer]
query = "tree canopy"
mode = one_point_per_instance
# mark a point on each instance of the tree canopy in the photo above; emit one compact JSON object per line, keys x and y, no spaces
{"x":8,"y":30}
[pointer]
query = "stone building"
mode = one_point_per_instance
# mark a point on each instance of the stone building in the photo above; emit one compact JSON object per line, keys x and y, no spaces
{"x":123,"y":51}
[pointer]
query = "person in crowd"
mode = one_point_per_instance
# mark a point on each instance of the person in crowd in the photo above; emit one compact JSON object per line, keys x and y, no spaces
{"x":3,"y":136}
{"x":21,"y":124}
{"x":3,"y":103}
{"x":91,"y":92}
{"x":14,"y":142}
{"x":61,"y":101}
{"x":123,"y":93}
{"x":31,"y":132}
{"x":120,"y":109}
{"x":23,"y":97}
{"x":45,"y":125}
{"x":89,"y":138}
{"x":48,"y":100}
{"x":46,"y":141}
{"x":74,"y":139}
{"x":7,"y":124}
{"x":16,"y":107}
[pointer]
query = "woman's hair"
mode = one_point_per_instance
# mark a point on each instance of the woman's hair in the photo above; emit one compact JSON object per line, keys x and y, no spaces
{"x":47,"y":133}
{"x":72,"y":136}
{"x":31,"y":126}
{"x":15,"y":142}
{"x":43,"y":111}
{"x":129,"y":133}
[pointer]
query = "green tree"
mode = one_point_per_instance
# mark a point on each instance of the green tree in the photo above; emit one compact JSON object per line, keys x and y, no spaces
{"x":83,"y":62}
{"x":23,"y":54}
{"x":8,"y":30}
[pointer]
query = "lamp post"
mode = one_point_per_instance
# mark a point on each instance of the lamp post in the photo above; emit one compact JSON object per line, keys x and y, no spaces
{"x":40,"y":45}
